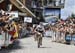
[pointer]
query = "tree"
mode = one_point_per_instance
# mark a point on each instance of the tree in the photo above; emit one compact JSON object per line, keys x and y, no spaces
{"x":72,"y":15}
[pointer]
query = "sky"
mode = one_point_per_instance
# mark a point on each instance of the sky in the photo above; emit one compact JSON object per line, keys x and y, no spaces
{"x":68,"y":9}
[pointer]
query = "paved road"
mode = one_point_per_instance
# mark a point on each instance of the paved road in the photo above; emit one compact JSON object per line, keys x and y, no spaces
{"x":28,"y":45}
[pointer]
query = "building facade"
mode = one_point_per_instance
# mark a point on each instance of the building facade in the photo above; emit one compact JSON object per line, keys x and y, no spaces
{"x":47,"y":9}
{"x":43,"y":10}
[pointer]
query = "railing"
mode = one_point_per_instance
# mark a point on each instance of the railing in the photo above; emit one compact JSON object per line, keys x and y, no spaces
{"x":51,"y":3}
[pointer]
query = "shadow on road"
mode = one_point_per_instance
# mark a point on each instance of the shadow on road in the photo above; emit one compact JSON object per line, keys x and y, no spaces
{"x":24,"y":37}
{"x":15,"y":46}
{"x":45,"y":47}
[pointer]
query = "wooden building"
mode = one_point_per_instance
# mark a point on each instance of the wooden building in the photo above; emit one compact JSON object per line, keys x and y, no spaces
{"x":17,"y":5}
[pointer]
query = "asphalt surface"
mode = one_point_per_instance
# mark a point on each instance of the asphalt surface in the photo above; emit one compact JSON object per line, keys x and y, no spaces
{"x":28,"y":45}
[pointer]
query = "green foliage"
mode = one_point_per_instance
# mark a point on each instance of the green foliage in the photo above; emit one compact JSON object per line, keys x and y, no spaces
{"x":72,"y":15}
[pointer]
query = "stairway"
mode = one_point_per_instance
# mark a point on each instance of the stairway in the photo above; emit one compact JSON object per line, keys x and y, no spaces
{"x":22,"y":7}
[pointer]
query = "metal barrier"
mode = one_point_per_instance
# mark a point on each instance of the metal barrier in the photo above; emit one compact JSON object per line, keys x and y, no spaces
{"x":61,"y":37}
{"x":68,"y":38}
{"x":73,"y":40}
{"x":5,"y":39}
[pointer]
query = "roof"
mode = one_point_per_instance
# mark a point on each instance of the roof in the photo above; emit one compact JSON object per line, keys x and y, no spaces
{"x":22,"y":7}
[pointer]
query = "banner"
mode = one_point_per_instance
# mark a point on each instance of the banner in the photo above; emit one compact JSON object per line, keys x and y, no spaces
{"x":14,"y":14}
{"x":28,"y":19}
